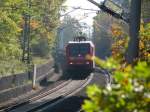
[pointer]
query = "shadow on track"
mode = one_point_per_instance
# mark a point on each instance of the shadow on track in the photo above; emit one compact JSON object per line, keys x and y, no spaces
{"x":74,"y":75}
{"x":70,"y":104}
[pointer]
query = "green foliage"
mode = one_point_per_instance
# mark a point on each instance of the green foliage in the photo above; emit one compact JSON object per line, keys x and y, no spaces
{"x":144,"y":42}
{"x":41,"y":48}
{"x":93,"y":92}
{"x":41,"y":60}
{"x":12,"y":67}
{"x":145,"y":9}
{"x":106,"y":64}
{"x":130,"y":92}
{"x":44,"y":21}
{"x":9,"y":46}
{"x":43,"y":24}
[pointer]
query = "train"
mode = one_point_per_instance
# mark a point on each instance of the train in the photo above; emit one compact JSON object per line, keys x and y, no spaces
{"x":79,"y":53}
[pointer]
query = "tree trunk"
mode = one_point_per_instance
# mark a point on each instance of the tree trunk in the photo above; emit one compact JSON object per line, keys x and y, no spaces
{"x":133,"y":46}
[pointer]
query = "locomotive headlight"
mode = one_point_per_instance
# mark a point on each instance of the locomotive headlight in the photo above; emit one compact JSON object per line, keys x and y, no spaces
{"x":79,"y":55}
{"x":70,"y":63}
{"x":87,"y":63}
{"x":88,"y":57}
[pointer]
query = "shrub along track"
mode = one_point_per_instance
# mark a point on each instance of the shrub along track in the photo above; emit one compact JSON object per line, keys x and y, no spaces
{"x":50,"y":96}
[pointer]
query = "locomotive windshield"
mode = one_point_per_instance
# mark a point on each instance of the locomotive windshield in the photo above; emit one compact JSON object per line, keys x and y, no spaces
{"x":79,"y":49}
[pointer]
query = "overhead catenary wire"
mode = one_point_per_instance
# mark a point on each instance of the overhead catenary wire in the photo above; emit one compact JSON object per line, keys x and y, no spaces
{"x":68,"y":12}
{"x":79,"y":8}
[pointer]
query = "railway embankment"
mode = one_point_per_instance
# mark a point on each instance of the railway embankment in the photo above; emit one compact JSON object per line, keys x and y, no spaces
{"x":14,"y":86}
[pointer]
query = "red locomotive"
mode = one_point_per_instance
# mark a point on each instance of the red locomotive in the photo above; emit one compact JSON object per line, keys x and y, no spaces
{"x":77,"y":53}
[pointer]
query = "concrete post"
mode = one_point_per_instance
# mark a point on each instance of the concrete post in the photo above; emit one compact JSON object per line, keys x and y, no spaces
{"x":34,"y":77}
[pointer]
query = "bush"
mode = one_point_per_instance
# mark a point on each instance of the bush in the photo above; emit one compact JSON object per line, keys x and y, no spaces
{"x":130,"y":92}
{"x":10,"y":67}
{"x":41,"y":48}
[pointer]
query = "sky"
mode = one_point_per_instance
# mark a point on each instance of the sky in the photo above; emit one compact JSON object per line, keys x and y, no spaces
{"x":82,"y":15}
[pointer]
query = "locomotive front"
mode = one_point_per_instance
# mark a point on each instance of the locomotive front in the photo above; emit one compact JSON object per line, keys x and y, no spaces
{"x":76,"y":55}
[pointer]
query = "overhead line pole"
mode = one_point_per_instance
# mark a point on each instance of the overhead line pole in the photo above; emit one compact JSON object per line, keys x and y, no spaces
{"x":29,"y":29}
{"x":133,"y":45}
{"x":26,"y":35}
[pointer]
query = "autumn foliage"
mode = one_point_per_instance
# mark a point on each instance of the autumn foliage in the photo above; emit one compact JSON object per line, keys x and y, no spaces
{"x":145,"y":42}
{"x":130,"y":89}
{"x":120,"y":42}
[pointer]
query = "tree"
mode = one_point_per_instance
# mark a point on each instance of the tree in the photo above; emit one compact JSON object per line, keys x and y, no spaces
{"x":145,"y":10}
{"x":101,"y":35}
{"x":9,"y":29}
{"x":44,"y":21}
{"x":129,"y":91}
{"x":130,"y":88}
{"x":133,"y":45}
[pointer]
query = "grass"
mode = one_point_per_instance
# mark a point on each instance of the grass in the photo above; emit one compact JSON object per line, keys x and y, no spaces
{"x":41,"y":60}
{"x":11,"y":67}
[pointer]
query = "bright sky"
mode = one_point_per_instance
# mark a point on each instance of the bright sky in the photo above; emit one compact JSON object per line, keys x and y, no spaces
{"x":82,"y":15}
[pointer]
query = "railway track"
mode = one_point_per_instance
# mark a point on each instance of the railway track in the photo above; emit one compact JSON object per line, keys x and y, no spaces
{"x":40,"y":95}
{"x":73,"y":103}
{"x":104,"y":72}
{"x":68,"y":94}
{"x":50,"y":97}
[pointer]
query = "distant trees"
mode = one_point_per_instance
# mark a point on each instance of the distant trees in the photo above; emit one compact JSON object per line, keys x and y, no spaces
{"x":145,"y":10}
{"x":110,"y":36}
{"x":102,"y":35}
{"x":69,"y":28}
{"x":44,"y":20}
